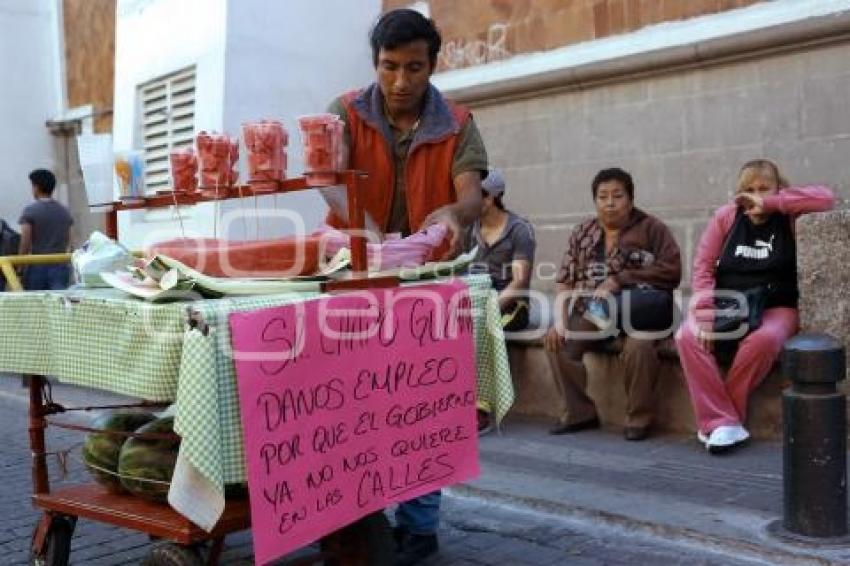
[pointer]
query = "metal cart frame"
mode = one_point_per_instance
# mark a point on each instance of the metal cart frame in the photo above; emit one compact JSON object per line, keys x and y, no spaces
{"x":363,"y":542}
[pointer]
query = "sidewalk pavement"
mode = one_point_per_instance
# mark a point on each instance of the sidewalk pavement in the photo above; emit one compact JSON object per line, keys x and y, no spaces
{"x":667,"y":487}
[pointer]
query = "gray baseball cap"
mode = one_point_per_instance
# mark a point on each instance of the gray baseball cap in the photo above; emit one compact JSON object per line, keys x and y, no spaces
{"x":494,"y":184}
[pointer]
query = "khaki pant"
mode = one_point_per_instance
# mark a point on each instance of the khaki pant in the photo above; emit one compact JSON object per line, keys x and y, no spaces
{"x":641,"y":366}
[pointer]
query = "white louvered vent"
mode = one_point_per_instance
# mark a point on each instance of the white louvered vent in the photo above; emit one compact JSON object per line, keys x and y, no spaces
{"x":167,"y":122}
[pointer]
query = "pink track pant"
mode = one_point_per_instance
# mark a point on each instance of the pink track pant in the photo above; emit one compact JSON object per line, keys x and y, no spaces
{"x":724,"y":402}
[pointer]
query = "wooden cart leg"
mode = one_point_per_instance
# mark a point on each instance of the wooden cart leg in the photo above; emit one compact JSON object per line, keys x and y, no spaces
{"x":111,"y":224}
{"x":40,"y":483}
{"x":51,"y":539}
{"x":39,"y":536}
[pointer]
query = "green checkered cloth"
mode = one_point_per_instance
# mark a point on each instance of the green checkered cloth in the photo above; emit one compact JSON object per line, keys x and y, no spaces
{"x":104,"y":340}
{"x":98,"y":339}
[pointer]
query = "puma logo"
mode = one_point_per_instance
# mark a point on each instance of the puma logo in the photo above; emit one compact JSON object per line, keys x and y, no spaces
{"x":768,"y":244}
{"x":762,"y":249}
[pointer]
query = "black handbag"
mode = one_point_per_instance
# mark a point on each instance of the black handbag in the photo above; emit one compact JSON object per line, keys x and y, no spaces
{"x":649,"y":309}
{"x":743,"y":307}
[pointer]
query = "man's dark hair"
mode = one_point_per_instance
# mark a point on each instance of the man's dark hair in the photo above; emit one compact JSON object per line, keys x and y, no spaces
{"x":614,"y":174}
{"x":44,"y":180}
{"x":403,"y":26}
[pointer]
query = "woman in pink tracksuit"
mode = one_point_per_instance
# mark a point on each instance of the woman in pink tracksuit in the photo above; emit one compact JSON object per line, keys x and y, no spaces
{"x":748,"y":243}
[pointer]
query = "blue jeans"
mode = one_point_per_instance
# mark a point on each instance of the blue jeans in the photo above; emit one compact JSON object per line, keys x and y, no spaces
{"x":47,"y":277}
{"x":420,"y":516}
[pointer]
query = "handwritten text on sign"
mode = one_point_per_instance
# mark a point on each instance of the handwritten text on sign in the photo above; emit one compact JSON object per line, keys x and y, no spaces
{"x":350,"y":403}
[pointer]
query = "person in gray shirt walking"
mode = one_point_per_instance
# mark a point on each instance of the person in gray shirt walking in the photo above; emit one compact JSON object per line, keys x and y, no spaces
{"x":45,"y":229}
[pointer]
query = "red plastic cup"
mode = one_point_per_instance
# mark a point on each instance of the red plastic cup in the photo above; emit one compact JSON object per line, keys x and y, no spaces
{"x":265,"y":142}
{"x":184,"y":170}
{"x":218,"y":155}
{"x":321,"y":135}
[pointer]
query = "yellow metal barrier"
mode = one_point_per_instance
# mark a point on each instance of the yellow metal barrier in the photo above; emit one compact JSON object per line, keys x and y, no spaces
{"x":9,"y":262}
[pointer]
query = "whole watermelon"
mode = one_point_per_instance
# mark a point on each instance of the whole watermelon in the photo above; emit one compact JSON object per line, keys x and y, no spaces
{"x":146,"y":465}
{"x":101,"y":450}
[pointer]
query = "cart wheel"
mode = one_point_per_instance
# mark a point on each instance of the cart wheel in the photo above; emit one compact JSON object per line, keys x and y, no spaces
{"x":367,"y":542}
{"x":57,"y":544}
{"x":172,"y":554}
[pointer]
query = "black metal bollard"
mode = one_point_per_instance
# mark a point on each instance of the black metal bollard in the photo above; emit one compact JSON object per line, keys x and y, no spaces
{"x":815,"y":437}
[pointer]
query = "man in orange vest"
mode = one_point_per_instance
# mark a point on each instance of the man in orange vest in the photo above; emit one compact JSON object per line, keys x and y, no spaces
{"x":424,"y":154}
{"x":425,"y":159}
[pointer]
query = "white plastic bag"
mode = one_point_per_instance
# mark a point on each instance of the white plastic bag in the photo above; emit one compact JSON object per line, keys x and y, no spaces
{"x":99,"y":254}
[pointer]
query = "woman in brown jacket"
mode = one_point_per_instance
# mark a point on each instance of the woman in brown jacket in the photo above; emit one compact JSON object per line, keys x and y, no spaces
{"x":618,"y":275}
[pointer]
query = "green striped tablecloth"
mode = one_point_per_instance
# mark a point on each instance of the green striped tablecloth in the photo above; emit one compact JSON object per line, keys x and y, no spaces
{"x":105,"y":340}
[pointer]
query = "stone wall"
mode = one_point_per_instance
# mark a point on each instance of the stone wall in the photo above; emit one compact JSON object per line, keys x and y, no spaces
{"x":683,"y":136}
{"x":823,"y":264}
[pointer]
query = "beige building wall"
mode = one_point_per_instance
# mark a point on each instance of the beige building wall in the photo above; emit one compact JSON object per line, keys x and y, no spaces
{"x":481,"y":31}
{"x":682,"y":135}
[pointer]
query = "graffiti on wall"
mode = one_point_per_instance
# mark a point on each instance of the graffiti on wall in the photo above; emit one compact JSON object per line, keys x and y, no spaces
{"x":459,"y":53}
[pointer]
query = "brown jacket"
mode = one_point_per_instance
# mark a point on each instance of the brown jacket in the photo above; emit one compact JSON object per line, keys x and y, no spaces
{"x":646,"y":253}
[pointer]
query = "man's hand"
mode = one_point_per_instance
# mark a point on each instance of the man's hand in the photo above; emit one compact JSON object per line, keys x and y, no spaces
{"x":607,"y":287}
{"x":448,"y":216}
{"x":752,"y":204}
{"x":553,"y":339}
{"x":459,"y":215}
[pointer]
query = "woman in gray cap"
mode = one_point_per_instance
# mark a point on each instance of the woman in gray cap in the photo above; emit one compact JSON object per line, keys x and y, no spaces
{"x":505,"y":243}
{"x":506,"y":246}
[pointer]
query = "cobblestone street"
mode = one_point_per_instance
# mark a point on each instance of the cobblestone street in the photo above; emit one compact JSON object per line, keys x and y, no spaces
{"x":473,"y":531}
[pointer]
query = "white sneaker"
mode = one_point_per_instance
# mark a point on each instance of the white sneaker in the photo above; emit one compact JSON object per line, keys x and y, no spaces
{"x":725,"y":437}
{"x":702,"y":437}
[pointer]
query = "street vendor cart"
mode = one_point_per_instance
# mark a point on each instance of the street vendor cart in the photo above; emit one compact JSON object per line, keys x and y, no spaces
{"x":177,"y":353}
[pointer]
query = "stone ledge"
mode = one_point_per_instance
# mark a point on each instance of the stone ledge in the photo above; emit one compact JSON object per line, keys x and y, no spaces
{"x":537,"y":395}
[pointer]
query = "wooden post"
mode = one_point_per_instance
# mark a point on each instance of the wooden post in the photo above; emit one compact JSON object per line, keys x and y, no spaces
{"x":356,"y":222}
{"x":111,"y":224}
{"x":40,"y":482}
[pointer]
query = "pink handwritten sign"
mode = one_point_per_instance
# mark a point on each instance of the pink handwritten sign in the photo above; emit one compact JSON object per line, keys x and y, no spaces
{"x":350,"y":403}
